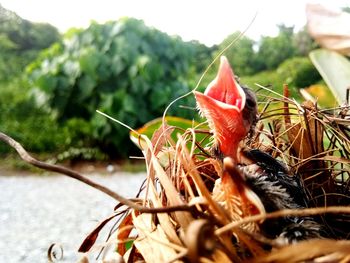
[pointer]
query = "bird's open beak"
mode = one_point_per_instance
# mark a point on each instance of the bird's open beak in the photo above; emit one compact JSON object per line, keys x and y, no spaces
{"x":222,"y":104}
{"x":223,"y":91}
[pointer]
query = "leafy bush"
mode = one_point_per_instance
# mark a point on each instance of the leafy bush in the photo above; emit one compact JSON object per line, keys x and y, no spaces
{"x":124,"y":69}
{"x":240,"y":54}
{"x":21,"y":119}
{"x":20,"y":42}
{"x":274,"y":50}
{"x":299,"y":72}
{"x":37,"y":130}
{"x":24,"y":34}
{"x":271,"y":80}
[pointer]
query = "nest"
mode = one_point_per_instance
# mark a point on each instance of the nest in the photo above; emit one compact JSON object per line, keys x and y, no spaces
{"x":199,"y":224}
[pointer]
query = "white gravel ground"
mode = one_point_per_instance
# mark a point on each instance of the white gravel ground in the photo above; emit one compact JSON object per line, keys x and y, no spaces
{"x":36,"y":211}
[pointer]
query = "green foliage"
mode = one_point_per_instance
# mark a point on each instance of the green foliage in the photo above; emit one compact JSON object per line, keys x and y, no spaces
{"x":22,"y":120}
{"x":248,"y":57}
{"x":20,"y":42}
{"x":24,"y":34}
{"x":346,"y":9}
{"x":80,"y":153}
{"x":37,"y":129}
{"x":268,"y":79}
{"x":274,"y":50}
{"x":204,"y":56}
{"x":275,"y":79}
{"x":124,"y":69}
{"x":335,"y":70}
{"x":303,"y":42}
{"x":240,"y":54}
{"x":299,"y":72}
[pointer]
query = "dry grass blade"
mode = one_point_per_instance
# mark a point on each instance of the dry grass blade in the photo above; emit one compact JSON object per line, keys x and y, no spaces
{"x":164,"y":219}
{"x":152,"y":242}
{"x":171,"y":193}
{"x":319,"y":250}
{"x":91,"y":238}
{"x":282,"y":213}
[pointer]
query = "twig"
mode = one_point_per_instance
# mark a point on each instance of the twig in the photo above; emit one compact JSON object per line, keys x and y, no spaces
{"x":282,"y":213}
{"x":73,"y":174}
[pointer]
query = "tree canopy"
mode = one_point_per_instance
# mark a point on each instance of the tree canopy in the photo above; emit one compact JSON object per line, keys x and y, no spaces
{"x":241,"y":54}
{"x":20,"y":42}
{"x":124,"y":68}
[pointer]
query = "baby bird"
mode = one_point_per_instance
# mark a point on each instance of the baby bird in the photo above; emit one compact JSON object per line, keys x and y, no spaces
{"x":262,"y":183}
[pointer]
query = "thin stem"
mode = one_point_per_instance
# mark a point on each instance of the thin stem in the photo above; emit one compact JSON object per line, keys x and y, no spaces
{"x":73,"y":174}
{"x":283,"y":213}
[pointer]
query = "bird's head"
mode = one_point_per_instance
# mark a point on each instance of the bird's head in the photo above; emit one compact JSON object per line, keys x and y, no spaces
{"x":229,"y":108}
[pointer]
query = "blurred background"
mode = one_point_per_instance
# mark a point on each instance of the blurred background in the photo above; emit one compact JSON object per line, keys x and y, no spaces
{"x":61,"y":61}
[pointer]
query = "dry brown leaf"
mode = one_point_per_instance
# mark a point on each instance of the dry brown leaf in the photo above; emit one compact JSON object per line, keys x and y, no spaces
{"x":309,"y":251}
{"x":91,"y":238}
{"x":164,"y":219}
{"x":152,"y":242}
{"x":161,"y":136}
{"x":171,"y":192}
{"x":314,"y":127}
{"x":306,"y":135}
{"x":190,"y":167}
{"x":124,"y":230}
{"x":336,"y":159}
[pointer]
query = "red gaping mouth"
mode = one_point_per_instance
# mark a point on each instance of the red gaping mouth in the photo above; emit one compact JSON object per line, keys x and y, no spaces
{"x":224,"y":89}
{"x":222,"y":104}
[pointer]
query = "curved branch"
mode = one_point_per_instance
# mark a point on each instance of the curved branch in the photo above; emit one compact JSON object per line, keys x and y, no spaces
{"x":282,"y":213}
{"x":25,"y":156}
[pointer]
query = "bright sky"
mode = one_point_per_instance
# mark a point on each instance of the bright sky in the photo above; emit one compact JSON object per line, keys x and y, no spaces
{"x":207,"y":21}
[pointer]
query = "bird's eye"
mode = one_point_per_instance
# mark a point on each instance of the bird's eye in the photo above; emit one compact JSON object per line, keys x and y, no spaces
{"x":251,"y":103}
